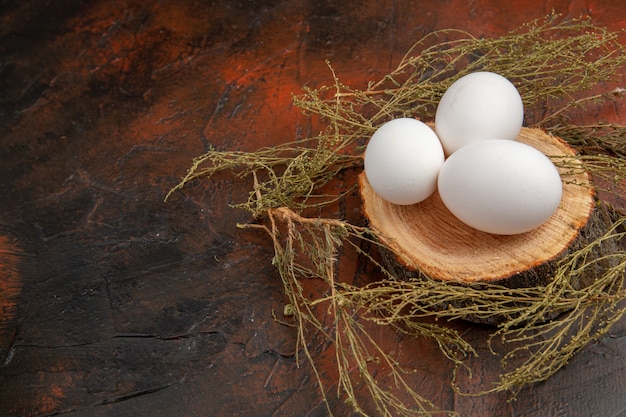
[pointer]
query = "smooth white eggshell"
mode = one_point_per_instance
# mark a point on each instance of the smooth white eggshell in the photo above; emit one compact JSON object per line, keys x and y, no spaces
{"x":402,"y":161}
{"x":478,"y":106}
{"x":500,"y":186}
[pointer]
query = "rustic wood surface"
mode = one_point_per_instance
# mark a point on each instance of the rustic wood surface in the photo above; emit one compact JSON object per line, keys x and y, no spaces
{"x":114,"y":303}
{"x":428,"y":238}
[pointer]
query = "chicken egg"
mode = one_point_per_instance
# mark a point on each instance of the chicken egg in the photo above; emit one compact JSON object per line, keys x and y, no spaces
{"x":500,"y":186}
{"x":402,"y":161}
{"x":478,"y":106}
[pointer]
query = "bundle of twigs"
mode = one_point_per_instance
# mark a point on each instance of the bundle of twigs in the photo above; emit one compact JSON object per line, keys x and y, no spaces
{"x":554,"y":64}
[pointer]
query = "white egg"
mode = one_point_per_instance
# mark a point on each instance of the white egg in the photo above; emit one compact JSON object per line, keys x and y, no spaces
{"x":479,"y":106}
{"x":402,"y":161}
{"x":500,"y":186}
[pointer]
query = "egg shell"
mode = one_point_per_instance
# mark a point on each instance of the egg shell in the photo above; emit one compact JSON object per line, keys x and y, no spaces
{"x":478,"y":106}
{"x":500,"y":186}
{"x":402,"y":161}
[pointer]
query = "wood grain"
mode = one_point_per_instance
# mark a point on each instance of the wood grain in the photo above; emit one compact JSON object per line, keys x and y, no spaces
{"x":428,"y":238}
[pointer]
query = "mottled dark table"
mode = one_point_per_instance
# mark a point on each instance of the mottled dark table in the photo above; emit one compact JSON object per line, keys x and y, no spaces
{"x":114,"y":303}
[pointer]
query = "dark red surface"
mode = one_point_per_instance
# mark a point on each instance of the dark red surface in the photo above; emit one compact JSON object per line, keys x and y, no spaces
{"x":114,"y":303}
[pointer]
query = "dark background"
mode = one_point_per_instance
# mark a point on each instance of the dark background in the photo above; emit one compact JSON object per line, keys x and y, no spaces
{"x":114,"y":303}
